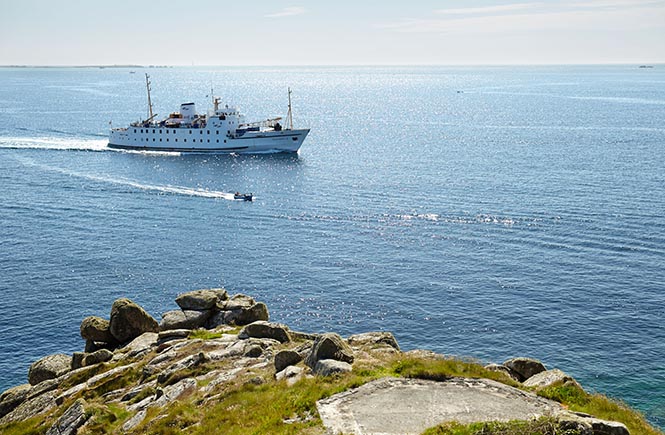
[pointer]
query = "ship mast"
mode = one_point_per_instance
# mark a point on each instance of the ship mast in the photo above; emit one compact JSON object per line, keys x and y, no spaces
{"x":289,"y":116}
{"x":147,"y":85}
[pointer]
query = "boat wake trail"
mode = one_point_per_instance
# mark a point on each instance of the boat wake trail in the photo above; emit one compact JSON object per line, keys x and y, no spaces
{"x":159,"y":189}
{"x":54,"y":143}
{"x":166,"y":189}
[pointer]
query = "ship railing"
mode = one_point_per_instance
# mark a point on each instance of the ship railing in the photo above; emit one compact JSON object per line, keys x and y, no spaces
{"x":265,"y":124}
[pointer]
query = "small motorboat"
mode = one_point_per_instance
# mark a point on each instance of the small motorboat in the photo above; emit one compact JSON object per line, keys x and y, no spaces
{"x":243,"y":196}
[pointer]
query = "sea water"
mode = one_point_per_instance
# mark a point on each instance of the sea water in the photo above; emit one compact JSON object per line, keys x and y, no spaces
{"x":488,"y":212}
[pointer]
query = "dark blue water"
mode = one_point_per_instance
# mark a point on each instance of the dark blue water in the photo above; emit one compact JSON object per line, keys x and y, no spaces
{"x":523,"y":216}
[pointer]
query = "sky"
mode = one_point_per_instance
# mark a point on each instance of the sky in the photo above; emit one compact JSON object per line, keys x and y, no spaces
{"x":340,"y":32}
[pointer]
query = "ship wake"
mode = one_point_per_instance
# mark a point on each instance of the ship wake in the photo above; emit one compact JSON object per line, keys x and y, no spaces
{"x":119,"y":181}
{"x":68,"y":144}
{"x":54,"y":143}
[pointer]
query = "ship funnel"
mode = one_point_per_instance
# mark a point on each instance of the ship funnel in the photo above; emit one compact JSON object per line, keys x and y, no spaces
{"x":188,"y":111}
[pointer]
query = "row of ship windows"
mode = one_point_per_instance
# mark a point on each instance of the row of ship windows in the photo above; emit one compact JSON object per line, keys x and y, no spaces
{"x":190,"y":131}
{"x":185,"y":140}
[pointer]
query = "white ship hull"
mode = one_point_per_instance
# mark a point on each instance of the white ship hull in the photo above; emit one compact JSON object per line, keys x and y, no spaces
{"x":220,"y":130}
{"x":202,"y":140}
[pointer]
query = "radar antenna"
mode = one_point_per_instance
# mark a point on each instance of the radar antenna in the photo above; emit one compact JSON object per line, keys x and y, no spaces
{"x":147,"y":85}
{"x":289,"y":115}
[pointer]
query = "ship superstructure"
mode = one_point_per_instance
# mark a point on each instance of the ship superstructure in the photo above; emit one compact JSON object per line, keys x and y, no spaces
{"x":220,"y":130}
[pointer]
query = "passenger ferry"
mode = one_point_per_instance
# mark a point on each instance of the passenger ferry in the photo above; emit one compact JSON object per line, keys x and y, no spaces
{"x":221,"y":130}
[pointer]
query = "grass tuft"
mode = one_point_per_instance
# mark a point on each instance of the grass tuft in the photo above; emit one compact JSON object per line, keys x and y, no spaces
{"x":541,"y":426}
{"x":576,"y":399}
{"x":177,"y":419}
{"x":443,"y":369}
{"x":204,"y":334}
{"x":33,"y":426}
{"x":105,"y":419}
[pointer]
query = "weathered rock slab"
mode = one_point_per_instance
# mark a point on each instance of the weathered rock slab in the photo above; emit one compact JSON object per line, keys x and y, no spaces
{"x":173,"y":334}
{"x":263,"y":329}
{"x":128,"y":321}
{"x":524,"y":368}
{"x":134,"y":421}
{"x":77,"y":360}
{"x":179,"y":319}
{"x":502,"y":369}
{"x":409,"y":406}
{"x":239,"y":315}
{"x":605,"y":427}
{"x":49,"y":367}
{"x":289,"y":373}
{"x":329,"y":346}
{"x":379,"y":338}
{"x":285,"y":358}
{"x":176,"y":391}
{"x":95,"y":328}
{"x":549,"y":377}
{"x":329,"y":367}
{"x":31,"y":407}
{"x":201,"y":300}
{"x":96,"y":357}
{"x":12,"y":398}
{"x":70,"y":421}
{"x":185,"y":363}
{"x":253,"y":351}
{"x":236,"y":302}
{"x":140,"y":345}
{"x":586,"y":424}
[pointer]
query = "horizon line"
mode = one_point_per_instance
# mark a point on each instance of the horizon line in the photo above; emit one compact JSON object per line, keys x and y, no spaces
{"x":617,"y":63}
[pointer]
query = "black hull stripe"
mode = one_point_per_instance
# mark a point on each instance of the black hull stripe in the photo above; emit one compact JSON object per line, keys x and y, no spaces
{"x":269,"y":137}
{"x":166,"y":149}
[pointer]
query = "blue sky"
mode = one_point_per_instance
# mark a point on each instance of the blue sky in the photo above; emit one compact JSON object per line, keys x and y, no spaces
{"x":344,"y":32}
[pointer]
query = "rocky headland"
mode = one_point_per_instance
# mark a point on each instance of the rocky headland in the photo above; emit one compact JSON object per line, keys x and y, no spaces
{"x":218,"y":365}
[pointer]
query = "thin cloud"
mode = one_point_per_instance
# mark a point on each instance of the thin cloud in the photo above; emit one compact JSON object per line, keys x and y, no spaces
{"x":287,"y":12}
{"x":487,"y":9}
{"x":617,"y":14}
{"x":616,"y":3}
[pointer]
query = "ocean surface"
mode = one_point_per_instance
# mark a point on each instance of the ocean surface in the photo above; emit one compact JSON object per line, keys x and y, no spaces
{"x":489,"y":212}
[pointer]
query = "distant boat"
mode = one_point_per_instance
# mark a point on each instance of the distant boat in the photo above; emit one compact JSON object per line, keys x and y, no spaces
{"x":132,"y":72}
{"x":646,"y":66}
{"x":221,"y":130}
{"x":243,"y":196}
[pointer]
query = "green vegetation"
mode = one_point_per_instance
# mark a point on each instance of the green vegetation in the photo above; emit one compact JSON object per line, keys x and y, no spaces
{"x":191,"y":372}
{"x":442,"y":369}
{"x":204,"y":334}
{"x":541,"y":426}
{"x":121,"y":380}
{"x":82,"y":375}
{"x":264,"y":409}
{"x":178,"y":417}
{"x":85,"y":373}
{"x":33,"y":426}
{"x":576,"y":399}
{"x":148,"y":391}
{"x":244,"y":408}
{"x":106,"y":419}
{"x":240,"y":406}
